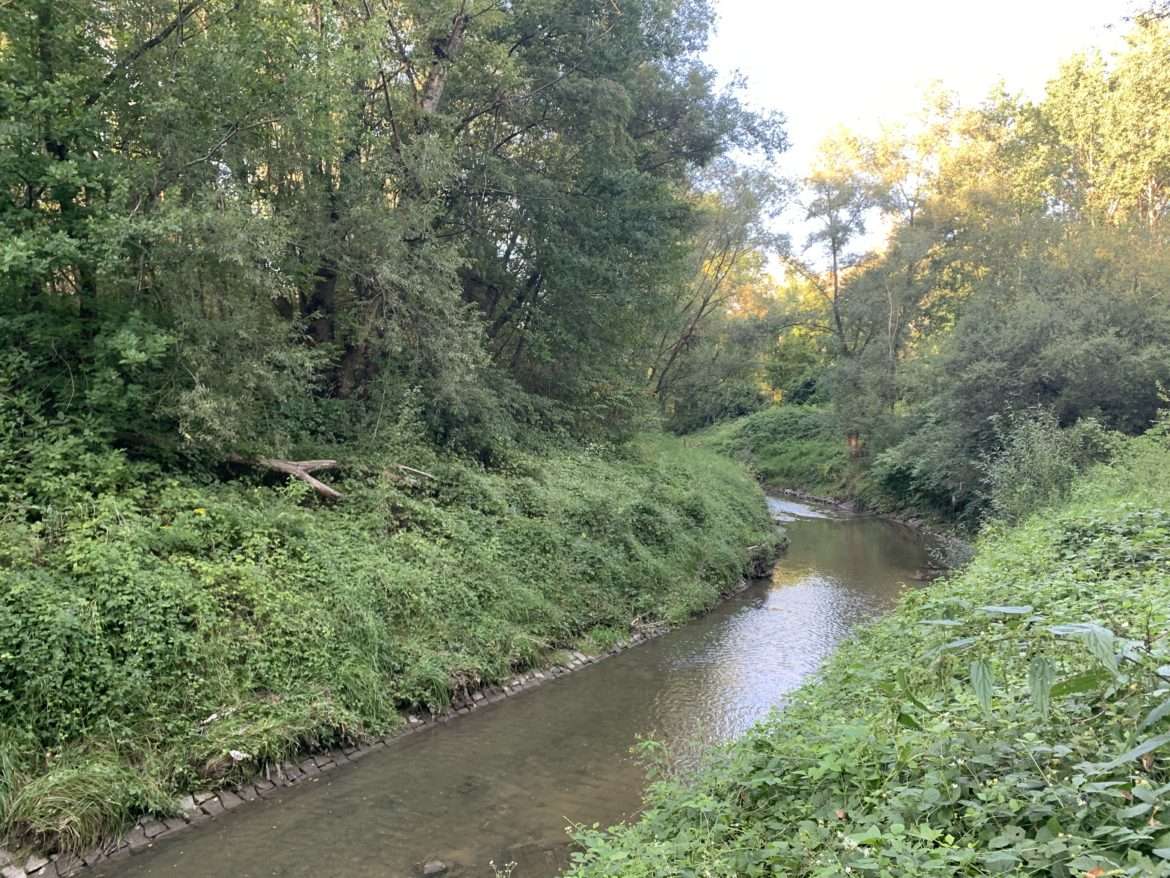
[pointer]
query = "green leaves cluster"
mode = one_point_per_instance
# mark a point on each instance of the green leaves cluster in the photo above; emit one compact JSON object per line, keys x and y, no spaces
{"x":1025,"y":270}
{"x":1014,"y":719}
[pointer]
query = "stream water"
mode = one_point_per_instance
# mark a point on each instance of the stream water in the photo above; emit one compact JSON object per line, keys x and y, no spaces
{"x":502,"y":784}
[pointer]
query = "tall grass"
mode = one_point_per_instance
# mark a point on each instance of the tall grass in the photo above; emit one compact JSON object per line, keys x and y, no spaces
{"x":788,"y":447}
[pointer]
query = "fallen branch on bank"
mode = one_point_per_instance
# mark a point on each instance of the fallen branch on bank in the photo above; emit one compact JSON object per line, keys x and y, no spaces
{"x":418,"y":472}
{"x":298,"y":469}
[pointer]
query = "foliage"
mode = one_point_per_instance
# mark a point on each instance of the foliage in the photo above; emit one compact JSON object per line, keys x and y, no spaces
{"x":1038,"y":462}
{"x":153,"y":623}
{"x":1013,"y":719}
{"x":430,"y":232}
{"x":1061,"y":330}
{"x":788,"y":447}
{"x":267,"y":222}
{"x":1025,"y":267}
{"x":705,"y":363}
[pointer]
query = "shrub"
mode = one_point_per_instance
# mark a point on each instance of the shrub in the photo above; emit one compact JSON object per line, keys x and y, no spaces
{"x":1037,"y":462}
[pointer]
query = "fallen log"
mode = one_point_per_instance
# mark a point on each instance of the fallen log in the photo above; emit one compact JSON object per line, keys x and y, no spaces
{"x":298,"y":469}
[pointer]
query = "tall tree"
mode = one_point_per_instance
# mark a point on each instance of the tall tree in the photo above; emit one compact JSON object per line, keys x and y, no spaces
{"x":729,"y":253}
{"x":837,"y":202}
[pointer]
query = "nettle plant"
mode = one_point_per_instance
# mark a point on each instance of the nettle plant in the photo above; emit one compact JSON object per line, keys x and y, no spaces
{"x":1080,"y":780}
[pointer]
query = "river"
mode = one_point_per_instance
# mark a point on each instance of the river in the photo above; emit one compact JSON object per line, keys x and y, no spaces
{"x":502,"y":784}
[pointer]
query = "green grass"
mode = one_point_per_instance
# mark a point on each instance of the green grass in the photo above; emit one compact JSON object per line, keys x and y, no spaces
{"x":1013,"y":720}
{"x":153,"y":624}
{"x":793,"y":447}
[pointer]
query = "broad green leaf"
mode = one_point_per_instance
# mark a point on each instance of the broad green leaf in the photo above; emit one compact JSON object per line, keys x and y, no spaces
{"x":905,"y":719}
{"x":981,"y":681}
{"x":1083,"y":682}
{"x":1147,"y":746}
{"x":1101,"y":642}
{"x":1041,"y":675}
{"x":998,"y":862}
{"x":1156,"y":715}
{"x":1108,"y":787}
{"x":1134,"y":811}
{"x":954,"y":645}
{"x":1007,"y":611}
{"x":867,"y":836}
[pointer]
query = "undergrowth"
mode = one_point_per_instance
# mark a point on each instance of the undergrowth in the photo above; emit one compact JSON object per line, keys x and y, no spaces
{"x":161,"y":634}
{"x":1011,"y":720}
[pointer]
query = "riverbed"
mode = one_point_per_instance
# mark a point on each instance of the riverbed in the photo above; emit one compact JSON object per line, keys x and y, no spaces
{"x":500,"y":785}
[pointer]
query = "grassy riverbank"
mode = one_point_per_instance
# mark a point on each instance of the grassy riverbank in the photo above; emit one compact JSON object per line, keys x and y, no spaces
{"x":796,"y":447}
{"x":1014,"y":719}
{"x":160,"y":635}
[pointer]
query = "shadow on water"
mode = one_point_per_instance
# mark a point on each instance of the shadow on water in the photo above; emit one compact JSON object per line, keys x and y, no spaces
{"x":503,"y":783}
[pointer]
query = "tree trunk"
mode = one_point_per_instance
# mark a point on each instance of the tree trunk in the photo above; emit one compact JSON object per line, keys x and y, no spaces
{"x":445,"y":51}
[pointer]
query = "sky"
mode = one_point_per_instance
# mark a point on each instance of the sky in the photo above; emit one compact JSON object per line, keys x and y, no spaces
{"x":827,"y":63}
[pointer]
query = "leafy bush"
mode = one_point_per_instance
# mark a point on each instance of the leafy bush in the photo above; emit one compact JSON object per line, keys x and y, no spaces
{"x":1012,"y":720}
{"x":1038,"y":461}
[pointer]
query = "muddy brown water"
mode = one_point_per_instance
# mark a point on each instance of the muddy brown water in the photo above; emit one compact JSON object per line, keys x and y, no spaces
{"x":502,"y":784}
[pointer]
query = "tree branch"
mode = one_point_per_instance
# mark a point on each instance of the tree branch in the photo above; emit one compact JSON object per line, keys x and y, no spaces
{"x":298,"y":469}
{"x":142,"y":48}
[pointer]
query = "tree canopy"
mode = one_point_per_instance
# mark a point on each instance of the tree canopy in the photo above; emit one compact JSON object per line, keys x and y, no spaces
{"x":1024,"y":269}
{"x":244,"y":226}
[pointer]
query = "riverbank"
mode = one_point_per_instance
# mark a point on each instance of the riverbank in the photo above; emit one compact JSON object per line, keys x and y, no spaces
{"x":200,"y":806}
{"x":1011,"y":719}
{"x":500,"y":782}
{"x":797,"y":451}
{"x":175,"y":637}
{"x":792,"y":447}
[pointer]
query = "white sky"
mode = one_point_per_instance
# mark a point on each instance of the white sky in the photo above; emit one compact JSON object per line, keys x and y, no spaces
{"x":826,"y":63}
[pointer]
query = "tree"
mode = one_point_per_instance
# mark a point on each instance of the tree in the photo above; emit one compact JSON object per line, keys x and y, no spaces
{"x":837,"y":202}
{"x":270,"y":220}
{"x":729,"y":252}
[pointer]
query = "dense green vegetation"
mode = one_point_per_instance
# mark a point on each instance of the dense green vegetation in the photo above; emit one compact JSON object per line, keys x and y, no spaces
{"x":1034,"y":462}
{"x":1025,"y":274}
{"x":240,"y":226}
{"x":336,"y":337}
{"x":152,"y":626}
{"x":440,"y":251}
{"x":795,"y":447}
{"x":998,"y":364}
{"x":1014,"y":719}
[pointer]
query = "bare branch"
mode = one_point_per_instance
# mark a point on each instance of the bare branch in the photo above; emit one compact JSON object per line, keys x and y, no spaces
{"x":298,"y":469}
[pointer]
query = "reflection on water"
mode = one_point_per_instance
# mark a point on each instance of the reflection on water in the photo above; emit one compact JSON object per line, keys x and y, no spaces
{"x":786,"y":510}
{"x":503,"y":783}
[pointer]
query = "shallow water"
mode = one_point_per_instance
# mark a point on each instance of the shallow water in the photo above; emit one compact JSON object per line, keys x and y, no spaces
{"x":503,"y":783}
